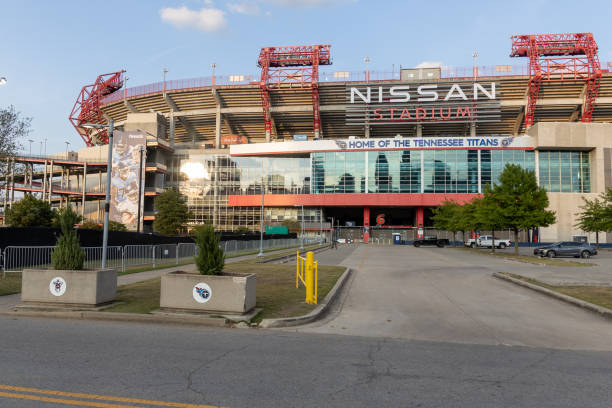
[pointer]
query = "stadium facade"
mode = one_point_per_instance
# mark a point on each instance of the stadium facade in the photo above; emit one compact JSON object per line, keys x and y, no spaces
{"x":371,"y":152}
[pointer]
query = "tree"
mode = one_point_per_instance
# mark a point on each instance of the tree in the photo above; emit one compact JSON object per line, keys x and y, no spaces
{"x":210,"y":259}
{"x":596,"y":215}
{"x":489,"y":214}
{"x":448,"y":217}
{"x":172,"y":212}
{"x":292,"y":225}
{"x":522,"y":203}
{"x":68,"y":253}
{"x":13,"y":128}
{"x":30,"y":212}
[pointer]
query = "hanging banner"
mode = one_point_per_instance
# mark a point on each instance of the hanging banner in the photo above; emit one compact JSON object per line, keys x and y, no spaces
{"x":129,"y":156}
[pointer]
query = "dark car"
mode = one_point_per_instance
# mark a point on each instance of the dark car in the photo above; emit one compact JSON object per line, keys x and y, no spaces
{"x":431,"y":240}
{"x":567,"y":248}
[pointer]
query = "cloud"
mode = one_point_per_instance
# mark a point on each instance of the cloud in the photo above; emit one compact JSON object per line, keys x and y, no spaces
{"x":430,"y":64}
{"x":246,"y":7}
{"x":206,"y":19}
{"x":309,"y":3}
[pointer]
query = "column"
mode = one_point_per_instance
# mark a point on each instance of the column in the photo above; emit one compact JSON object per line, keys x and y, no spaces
{"x":419,"y":130}
{"x":5,"y":190}
{"x":366,"y":224}
{"x":172,"y":119}
{"x":218,"y":128}
{"x":50,"y":182}
{"x":12,"y":182}
{"x":83,"y":192}
{"x":419,"y":221}
{"x":44,"y":182}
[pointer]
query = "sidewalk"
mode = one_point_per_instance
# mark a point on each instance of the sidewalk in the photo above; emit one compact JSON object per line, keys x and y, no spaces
{"x":8,"y":302}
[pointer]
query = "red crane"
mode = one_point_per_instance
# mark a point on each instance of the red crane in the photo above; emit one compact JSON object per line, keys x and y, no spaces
{"x":292,"y":67}
{"x":87,"y":107}
{"x":559,"y":57}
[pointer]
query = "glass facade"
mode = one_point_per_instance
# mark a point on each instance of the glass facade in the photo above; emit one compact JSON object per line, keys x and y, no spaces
{"x":565,"y":171}
{"x":492,"y":163}
{"x":208,"y":179}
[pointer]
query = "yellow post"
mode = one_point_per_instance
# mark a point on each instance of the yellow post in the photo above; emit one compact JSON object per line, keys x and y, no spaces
{"x":316,"y":281}
{"x":309,"y":278}
{"x":297,"y":269}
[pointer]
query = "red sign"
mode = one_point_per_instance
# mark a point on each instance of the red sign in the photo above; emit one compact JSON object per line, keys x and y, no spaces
{"x":380,"y":219}
{"x":233,"y":139}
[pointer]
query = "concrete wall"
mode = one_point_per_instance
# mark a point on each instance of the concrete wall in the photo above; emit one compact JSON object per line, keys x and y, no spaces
{"x":152,"y":123}
{"x":595,"y":138}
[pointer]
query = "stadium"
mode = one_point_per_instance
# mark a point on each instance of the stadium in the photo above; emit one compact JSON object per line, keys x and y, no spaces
{"x":366,"y":152}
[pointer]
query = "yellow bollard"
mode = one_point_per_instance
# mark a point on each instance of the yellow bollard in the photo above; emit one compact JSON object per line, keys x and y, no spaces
{"x":309,"y":278}
{"x":297,"y":269}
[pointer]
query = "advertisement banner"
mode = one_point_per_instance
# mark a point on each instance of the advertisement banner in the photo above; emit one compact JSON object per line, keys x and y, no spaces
{"x":127,"y":163}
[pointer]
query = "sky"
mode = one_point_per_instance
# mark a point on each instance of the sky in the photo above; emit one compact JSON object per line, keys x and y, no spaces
{"x":51,"y":49}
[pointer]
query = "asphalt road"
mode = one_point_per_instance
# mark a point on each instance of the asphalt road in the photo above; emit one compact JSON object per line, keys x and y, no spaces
{"x":257,"y":368}
{"x":424,"y":327}
{"x":444,"y":294}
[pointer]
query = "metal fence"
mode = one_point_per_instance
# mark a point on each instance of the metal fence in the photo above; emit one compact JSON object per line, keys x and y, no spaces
{"x":18,"y":258}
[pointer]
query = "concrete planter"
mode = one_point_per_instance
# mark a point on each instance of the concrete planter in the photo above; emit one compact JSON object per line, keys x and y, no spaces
{"x":208,"y":293}
{"x":68,"y":287}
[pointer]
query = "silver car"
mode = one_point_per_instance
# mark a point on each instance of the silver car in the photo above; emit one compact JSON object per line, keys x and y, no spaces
{"x":566,"y":248}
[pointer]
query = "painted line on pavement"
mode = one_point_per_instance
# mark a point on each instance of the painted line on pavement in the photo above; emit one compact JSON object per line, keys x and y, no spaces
{"x":88,"y":396}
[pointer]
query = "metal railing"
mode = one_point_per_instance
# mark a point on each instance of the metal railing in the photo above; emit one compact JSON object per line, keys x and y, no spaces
{"x":17,"y":258}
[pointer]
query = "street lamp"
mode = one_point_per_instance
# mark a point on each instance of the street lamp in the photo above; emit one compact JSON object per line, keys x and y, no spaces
{"x":140,"y":150}
{"x":31,"y":141}
{"x":109,"y":167}
{"x":261,"y":224}
{"x":213,"y":66}
{"x":475,"y":69}
{"x":45,"y":152}
{"x":302,"y":235}
{"x":164,"y":71}
{"x":67,"y":144}
{"x":2,"y":80}
{"x":367,"y":61}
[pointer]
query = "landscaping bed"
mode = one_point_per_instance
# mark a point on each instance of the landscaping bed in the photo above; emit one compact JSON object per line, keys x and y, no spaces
{"x":526,"y":258}
{"x":277,"y":295}
{"x":598,"y":295}
{"x":10,"y":284}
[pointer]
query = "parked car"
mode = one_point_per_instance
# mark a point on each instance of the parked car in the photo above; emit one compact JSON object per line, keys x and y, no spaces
{"x":487,"y":241}
{"x":431,"y":240}
{"x":566,"y":248}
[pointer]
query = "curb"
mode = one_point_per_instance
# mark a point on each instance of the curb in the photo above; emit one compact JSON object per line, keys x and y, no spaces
{"x":316,"y":314}
{"x":278,"y":258}
{"x":603,"y":311}
{"x":124,"y":317}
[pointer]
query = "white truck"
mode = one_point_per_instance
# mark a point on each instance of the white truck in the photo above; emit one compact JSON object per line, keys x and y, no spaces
{"x":487,"y":241}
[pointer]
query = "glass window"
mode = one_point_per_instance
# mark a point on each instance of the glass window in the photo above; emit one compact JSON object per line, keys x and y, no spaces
{"x":565,"y":171}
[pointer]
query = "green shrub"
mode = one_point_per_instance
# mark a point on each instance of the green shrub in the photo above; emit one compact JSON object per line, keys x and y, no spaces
{"x":210,"y":258}
{"x":68,"y":253}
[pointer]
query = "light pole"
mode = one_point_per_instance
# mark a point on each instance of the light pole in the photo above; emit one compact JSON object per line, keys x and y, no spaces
{"x":140,"y":151}
{"x":164,"y":71}
{"x":109,"y":167}
{"x":302,"y":235}
{"x":261,"y":224}
{"x":67,"y":144}
{"x":125,"y":87}
{"x":367,"y":62}
{"x":45,"y":152}
{"x":475,"y":69}
{"x":31,"y":141}
{"x":213,"y":66}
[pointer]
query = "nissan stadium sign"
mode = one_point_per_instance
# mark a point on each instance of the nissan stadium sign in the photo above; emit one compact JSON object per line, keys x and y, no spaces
{"x":410,"y":103}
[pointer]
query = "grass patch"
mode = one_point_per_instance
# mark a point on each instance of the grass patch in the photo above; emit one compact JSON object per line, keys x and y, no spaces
{"x":276,"y":291}
{"x":598,"y":295}
{"x":140,"y":297}
{"x":527,"y":258}
{"x":11,"y":284}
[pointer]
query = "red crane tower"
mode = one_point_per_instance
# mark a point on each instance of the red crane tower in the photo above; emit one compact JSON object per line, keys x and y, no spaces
{"x":87,"y":107}
{"x":559,"y":57}
{"x":292,"y":67}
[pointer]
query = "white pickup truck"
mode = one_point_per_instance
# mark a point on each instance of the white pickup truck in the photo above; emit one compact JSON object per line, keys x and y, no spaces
{"x":486,"y":241}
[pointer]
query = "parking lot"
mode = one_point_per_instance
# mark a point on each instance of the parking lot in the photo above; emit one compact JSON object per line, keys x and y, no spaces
{"x":446,"y":294}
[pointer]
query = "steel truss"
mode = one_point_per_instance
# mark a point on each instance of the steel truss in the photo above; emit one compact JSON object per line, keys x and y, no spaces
{"x":559,"y":57}
{"x":294,"y":67}
{"x":87,"y":107}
